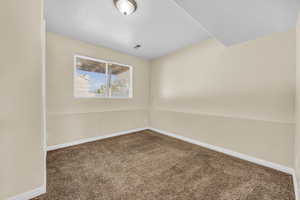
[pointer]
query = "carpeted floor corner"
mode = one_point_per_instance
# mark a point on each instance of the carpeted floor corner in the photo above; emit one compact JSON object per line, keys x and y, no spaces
{"x":150,"y":166}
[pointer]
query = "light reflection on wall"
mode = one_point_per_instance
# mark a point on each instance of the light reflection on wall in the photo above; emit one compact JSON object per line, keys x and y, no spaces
{"x":250,"y":80}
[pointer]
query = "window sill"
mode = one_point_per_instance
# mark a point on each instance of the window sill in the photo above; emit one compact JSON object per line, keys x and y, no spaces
{"x":103,"y":98}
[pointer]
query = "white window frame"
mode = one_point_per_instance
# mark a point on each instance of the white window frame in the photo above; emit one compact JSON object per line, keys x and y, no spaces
{"x":130,"y":96}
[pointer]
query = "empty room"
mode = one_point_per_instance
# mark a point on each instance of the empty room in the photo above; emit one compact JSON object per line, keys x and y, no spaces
{"x":150,"y":100}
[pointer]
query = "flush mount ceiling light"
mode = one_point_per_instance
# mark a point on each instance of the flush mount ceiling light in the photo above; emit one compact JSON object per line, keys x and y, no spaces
{"x":126,"y":7}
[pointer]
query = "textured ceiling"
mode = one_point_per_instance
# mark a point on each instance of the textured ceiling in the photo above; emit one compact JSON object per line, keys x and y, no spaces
{"x":235,"y":21}
{"x":160,"y":26}
{"x":163,"y":26}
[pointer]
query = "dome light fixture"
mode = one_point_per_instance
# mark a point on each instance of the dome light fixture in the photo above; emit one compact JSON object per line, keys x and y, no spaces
{"x":126,"y":7}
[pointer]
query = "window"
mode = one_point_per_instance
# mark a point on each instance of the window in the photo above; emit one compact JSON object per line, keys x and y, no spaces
{"x":95,"y":78}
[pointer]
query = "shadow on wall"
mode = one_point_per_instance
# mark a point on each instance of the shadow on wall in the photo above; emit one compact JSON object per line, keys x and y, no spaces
{"x":253,"y":80}
{"x":240,"y":97}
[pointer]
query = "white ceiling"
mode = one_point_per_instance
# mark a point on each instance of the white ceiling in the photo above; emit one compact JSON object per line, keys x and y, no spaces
{"x":235,"y":21}
{"x":160,"y":26}
{"x":163,"y":26}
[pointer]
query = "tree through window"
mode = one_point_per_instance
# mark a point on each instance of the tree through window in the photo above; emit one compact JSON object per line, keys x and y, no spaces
{"x":97,"y":78}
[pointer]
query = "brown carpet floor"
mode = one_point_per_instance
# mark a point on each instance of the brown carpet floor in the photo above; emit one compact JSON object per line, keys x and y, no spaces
{"x":150,"y":166}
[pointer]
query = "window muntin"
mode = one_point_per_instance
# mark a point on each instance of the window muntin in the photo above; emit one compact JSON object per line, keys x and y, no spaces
{"x":95,"y":78}
{"x":119,"y":80}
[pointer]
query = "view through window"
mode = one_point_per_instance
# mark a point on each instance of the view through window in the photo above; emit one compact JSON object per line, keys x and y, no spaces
{"x":97,"y":78}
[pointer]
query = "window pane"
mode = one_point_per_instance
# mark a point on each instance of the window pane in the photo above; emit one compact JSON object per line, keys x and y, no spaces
{"x":119,"y":80}
{"x":90,"y":78}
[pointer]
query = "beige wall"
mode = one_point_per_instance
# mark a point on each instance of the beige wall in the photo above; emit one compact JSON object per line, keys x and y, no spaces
{"x":70,"y":118}
{"x":239,"y":97}
{"x":297,"y":133}
{"x":21,"y":146}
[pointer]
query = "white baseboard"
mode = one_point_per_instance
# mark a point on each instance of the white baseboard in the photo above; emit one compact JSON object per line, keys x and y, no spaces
{"x":209,"y":146}
{"x":92,"y":139}
{"x":258,"y":161}
{"x":229,"y":152}
{"x":296,"y":185}
{"x":30,"y":194}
